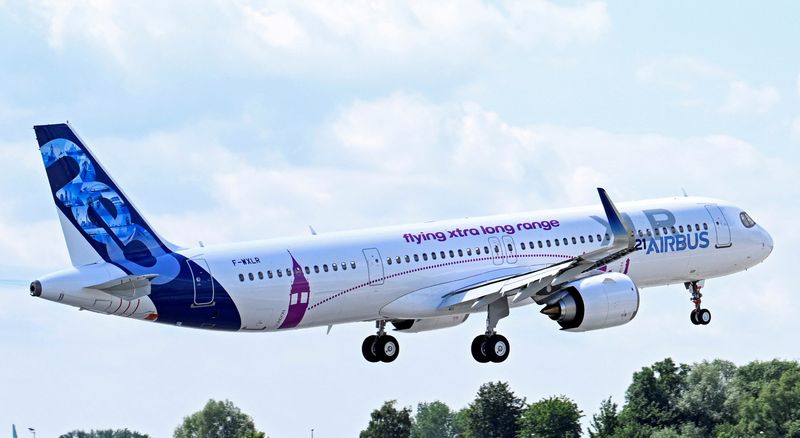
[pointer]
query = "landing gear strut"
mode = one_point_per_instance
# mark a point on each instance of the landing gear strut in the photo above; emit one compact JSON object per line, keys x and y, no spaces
{"x":380,"y":347}
{"x":492,"y":347}
{"x":699,"y":316}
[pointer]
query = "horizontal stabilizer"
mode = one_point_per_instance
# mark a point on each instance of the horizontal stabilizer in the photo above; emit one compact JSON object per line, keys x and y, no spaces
{"x":129,"y":287}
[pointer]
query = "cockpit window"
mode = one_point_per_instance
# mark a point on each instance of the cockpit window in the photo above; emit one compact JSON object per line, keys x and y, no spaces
{"x":747,"y":221}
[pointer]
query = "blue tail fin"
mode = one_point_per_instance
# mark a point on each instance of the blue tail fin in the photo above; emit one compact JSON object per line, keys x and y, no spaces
{"x":98,"y":220}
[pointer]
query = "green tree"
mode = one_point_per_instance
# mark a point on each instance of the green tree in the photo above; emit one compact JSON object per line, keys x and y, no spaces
{"x":652,"y":398}
{"x":433,"y":420}
{"x":554,"y":417}
{"x":109,"y":433}
{"x":605,"y":422}
{"x":704,"y":399}
{"x":461,"y":427}
{"x":494,"y":412}
{"x":388,"y":422}
{"x":218,"y":418}
{"x":775,"y":410}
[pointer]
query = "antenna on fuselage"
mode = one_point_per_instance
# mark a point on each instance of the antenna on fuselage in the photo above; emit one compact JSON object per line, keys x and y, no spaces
{"x":686,"y":195}
{"x":313,"y":231}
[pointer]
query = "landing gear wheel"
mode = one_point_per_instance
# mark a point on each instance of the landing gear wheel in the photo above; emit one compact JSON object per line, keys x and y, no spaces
{"x":703,"y":316}
{"x":367,"y":349}
{"x":693,"y":317}
{"x":387,"y":348}
{"x":497,"y":348}
{"x":478,"y":348}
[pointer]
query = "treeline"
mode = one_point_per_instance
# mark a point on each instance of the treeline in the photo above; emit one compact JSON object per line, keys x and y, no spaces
{"x":664,"y":400}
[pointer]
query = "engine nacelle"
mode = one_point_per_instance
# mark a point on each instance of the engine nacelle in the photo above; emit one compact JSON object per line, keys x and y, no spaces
{"x":597,"y":302}
{"x":427,"y":324}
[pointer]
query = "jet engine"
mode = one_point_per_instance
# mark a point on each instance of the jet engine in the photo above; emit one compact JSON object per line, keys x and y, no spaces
{"x":596,"y":302}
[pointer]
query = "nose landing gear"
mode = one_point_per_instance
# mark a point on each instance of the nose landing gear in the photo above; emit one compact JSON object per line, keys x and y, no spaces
{"x":380,"y":347}
{"x":699,"y":316}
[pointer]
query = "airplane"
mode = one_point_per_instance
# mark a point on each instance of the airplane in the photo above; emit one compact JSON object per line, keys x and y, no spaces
{"x":583,"y":266}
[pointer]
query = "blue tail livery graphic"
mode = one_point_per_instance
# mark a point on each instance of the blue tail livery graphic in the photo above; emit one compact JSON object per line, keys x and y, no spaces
{"x":95,"y":208}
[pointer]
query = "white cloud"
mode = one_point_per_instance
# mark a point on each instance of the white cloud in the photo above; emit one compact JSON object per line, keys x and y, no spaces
{"x":795,"y":129}
{"x":285,"y":36}
{"x":744,"y":98}
{"x":700,"y":84}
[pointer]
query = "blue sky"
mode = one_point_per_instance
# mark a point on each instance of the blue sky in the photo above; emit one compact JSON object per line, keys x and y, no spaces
{"x":237,"y":120}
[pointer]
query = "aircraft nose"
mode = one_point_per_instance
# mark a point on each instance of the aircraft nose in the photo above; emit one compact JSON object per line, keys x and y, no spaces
{"x":767,"y":241}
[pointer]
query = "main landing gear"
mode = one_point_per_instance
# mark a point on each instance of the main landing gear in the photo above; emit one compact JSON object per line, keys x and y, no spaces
{"x":380,"y":347}
{"x":699,"y":316}
{"x":492,"y":347}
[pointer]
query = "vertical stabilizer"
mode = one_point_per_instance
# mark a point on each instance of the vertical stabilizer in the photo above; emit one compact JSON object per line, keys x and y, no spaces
{"x":98,"y":220}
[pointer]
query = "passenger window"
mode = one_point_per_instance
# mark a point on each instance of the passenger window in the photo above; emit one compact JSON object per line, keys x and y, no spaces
{"x":469,"y":251}
{"x":344,"y":266}
{"x":308,"y":271}
{"x":325,"y":267}
{"x":608,"y":237}
{"x":425,"y":256}
{"x":352,"y":264}
{"x":269,"y":274}
{"x":460,"y":253}
{"x":673,"y":230}
{"x":548,"y":243}
{"x":241,"y":277}
{"x":452,"y":254}
{"x":656,"y":231}
{"x":416,"y":258}
{"x":397,"y":259}
{"x":388,"y":260}
{"x":664,"y":231}
{"x":408,"y":259}
{"x":574,"y":241}
{"x":599,"y":239}
{"x":433,"y":255}
{"x":316,"y":269}
{"x":641,"y":234}
{"x":477,"y":250}
{"x":288,"y":272}
{"x":522,"y":245}
{"x":441,"y":253}
{"x":689,"y":227}
{"x":680,"y":228}
{"x":566,"y":242}
{"x":260,"y":275}
{"x":705,"y":226}
{"x":496,"y":249}
{"x":510,"y":247}
{"x":540,"y":244}
{"x":280,"y":272}
{"x":335,"y":266}
{"x":557,"y":242}
{"x":486,"y":250}
{"x":250,"y":276}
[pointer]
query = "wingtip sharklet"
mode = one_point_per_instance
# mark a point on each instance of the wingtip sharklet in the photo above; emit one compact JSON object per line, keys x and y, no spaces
{"x":615,"y":221}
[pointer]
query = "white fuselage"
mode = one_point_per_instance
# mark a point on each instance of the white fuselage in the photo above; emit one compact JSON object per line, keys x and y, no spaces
{"x":361,"y":275}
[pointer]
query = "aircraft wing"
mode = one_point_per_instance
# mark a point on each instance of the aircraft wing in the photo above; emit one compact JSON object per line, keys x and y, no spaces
{"x":129,"y":287}
{"x":540,"y":284}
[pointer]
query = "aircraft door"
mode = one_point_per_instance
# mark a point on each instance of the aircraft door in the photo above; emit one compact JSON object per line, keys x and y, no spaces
{"x":721,"y":226}
{"x":203,"y":282}
{"x":510,"y":249}
{"x":497,"y":250}
{"x":374,"y":266}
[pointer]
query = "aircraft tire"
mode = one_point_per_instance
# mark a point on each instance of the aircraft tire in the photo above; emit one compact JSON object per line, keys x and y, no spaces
{"x":366,"y":349}
{"x":477,"y":349}
{"x":693,"y":317}
{"x":704,"y":316}
{"x":497,"y":348}
{"x":387,"y":348}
